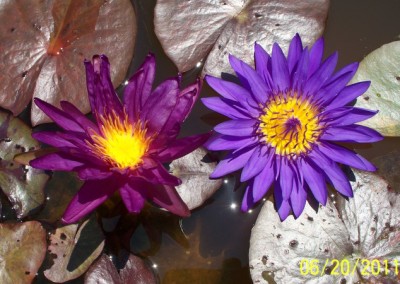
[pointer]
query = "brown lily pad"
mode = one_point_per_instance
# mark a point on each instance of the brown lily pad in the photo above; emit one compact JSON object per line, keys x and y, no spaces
{"x":190,"y":31}
{"x":75,"y":249}
{"x":22,"y":184}
{"x":22,"y":251}
{"x":135,"y":271}
{"x":194,"y":172}
{"x":43,"y":45}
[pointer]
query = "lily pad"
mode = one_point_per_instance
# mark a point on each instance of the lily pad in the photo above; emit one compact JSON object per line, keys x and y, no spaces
{"x":382,"y":68}
{"x":22,"y":251}
{"x":190,"y":31}
{"x":22,"y":184}
{"x":75,"y":249}
{"x":354,"y":232}
{"x":44,"y":43}
{"x":194,"y":172}
{"x":135,"y":271}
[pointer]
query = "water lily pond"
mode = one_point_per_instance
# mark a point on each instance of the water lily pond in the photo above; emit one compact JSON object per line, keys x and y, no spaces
{"x":106,"y":190}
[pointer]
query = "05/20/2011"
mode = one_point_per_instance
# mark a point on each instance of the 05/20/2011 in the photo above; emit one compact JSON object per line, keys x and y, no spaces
{"x":344,"y":267}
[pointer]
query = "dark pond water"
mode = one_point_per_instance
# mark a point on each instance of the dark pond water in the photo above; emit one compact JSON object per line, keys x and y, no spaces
{"x":218,"y":232}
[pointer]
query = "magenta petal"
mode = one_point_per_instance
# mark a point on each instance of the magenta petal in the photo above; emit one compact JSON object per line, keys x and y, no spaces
{"x":90,"y":196}
{"x":158,"y":108}
{"x":53,"y":139}
{"x":62,"y":119}
{"x":131,"y":196}
{"x":157,"y":174}
{"x":138,"y":90}
{"x":78,"y":116}
{"x":87,"y":173}
{"x":182,"y":147}
{"x":55,"y":162}
{"x":168,"y":198}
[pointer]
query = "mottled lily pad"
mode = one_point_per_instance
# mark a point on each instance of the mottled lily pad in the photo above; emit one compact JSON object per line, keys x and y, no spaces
{"x":382,"y":68}
{"x":206,"y":31}
{"x":75,"y":249}
{"x":43,"y":45}
{"x":365,"y":227}
{"x":135,"y":271}
{"x":22,"y":251}
{"x":194,"y":172}
{"x":22,"y":184}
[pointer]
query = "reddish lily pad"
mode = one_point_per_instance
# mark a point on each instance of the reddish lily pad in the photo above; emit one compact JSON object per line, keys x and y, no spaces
{"x":363,"y":228}
{"x":22,"y":251}
{"x":196,"y":185}
{"x":135,"y":271}
{"x":75,"y":249}
{"x":22,"y":184}
{"x":43,"y":45}
{"x":190,"y":31}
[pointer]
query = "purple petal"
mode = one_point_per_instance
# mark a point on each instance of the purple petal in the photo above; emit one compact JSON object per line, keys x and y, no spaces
{"x":157,"y":174}
{"x":351,"y":133}
{"x":237,"y":127}
{"x":280,"y":70}
{"x":56,"y":162}
{"x":62,"y":119}
{"x":282,"y":205}
{"x":182,"y":147}
{"x":313,"y":176}
{"x":184,"y":105}
{"x":90,"y":173}
{"x":132,"y":197}
{"x":298,"y":199}
{"x":332,"y":171}
{"x":351,"y":68}
{"x":316,"y":53}
{"x":349,"y":94}
{"x":158,"y":108}
{"x":250,"y":79}
{"x":331,"y":90}
{"x":347,"y":115}
{"x":90,"y":196}
{"x":286,"y":178}
{"x":233,"y":92}
{"x":263,"y":181}
{"x":232,"y":162}
{"x":226,"y":107}
{"x":299,"y":76}
{"x":78,"y":116}
{"x":139,"y":87}
{"x":53,"y":139}
{"x":262,"y":61}
{"x":256,"y":163}
{"x":168,"y":198}
{"x":223,"y":142}
{"x":248,"y":201}
{"x":318,"y":79}
{"x":345,"y":156}
{"x":294,"y":53}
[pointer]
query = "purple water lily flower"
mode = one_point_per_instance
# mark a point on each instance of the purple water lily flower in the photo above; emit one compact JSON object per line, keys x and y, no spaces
{"x":285,"y":119}
{"x":126,"y":145}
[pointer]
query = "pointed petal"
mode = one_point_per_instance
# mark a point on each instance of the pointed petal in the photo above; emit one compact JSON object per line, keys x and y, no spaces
{"x":226,"y":107}
{"x":298,"y":199}
{"x":351,"y":133}
{"x":313,"y":176}
{"x":263,"y":181}
{"x":316,"y":53}
{"x":348,"y":94}
{"x":294,"y":53}
{"x":237,"y":127}
{"x":256,"y":163}
{"x":262,"y":61}
{"x":232,"y":162}
{"x":219,"y":142}
{"x":282,"y":205}
{"x":78,"y":116}
{"x":248,"y":201}
{"x":132,"y":197}
{"x":280,"y":70}
{"x":286,"y":177}
{"x":56,"y":162}
{"x":53,"y":139}
{"x":168,"y":198}
{"x":159,"y":175}
{"x":90,"y":196}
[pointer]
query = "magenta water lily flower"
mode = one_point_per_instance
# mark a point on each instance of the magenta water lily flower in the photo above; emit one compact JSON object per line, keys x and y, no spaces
{"x":285,"y":119}
{"x":126,"y":146}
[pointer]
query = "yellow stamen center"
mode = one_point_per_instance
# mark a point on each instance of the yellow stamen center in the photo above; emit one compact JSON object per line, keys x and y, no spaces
{"x":120,"y":143}
{"x":290,"y":124}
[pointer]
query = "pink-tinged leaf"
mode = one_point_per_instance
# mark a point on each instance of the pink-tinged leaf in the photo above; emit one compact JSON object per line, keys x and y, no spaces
{"x":365,"y":227}
{"x":135,"y":271}
{"x":22,"y":184}
{"x":196,"y":185}
{"x":75,"y":249}
{"x":22,"y":251}
{"x":43,"y":45}
{"x":208,"y":30}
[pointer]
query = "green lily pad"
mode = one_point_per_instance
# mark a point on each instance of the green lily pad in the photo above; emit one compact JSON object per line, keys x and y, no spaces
{"x":135,"y":271}
{"x":382,"y":68}
{"x":75,"y":248}
{"x":22,"y":184}
{"x":22,"y":251}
